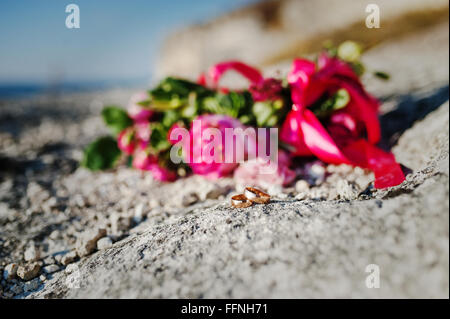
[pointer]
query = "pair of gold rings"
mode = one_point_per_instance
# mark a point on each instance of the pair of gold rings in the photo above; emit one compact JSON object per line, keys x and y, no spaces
{"x":251,"y":196}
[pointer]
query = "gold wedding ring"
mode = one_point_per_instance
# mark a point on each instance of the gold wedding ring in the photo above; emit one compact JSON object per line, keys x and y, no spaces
{"x":240,"y":201}
{"x":251,"y":195}
{"x":256,"y":195}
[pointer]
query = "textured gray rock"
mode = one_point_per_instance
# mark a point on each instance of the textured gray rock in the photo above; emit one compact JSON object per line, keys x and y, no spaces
{"x":291,"y":248}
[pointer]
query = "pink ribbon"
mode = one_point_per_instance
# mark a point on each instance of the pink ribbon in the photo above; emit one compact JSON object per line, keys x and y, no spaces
{"x":303,"y":130}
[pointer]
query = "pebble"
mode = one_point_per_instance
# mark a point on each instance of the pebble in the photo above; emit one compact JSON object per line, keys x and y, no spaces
{"x":345,"y":190}
{"x":87,"y":242}
{"x":317,"y":172}
{"x":69,"y":258}
{"x":119,"y":223}
{"x":216,"y":191}
{"x":50,"y":260}
{"x":50,"y":269}
{"x":301,"y":196}
{"x":17,"y":289}
{"x":153,"y":203}
{"x":32,"y":285}
{"x":10,"y":271}
{"x":104,"y":243}
{"x":302,"y":186}
{"x":54,"y":234}
{"x":29,"y":271}
{"x":138,"y":213}
{"x":189,"y":199}
{"x":31,"y":254}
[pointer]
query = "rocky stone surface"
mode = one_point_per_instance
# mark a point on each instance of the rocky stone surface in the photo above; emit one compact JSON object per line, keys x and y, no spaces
{"x":290,"y":248}
{"x":315,"y":239}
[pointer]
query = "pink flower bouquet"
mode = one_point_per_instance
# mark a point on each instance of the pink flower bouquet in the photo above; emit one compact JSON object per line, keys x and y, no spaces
{"x":321,"y":110}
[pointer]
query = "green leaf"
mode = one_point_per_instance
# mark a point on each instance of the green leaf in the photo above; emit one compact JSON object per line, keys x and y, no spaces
{"x":101,"y":154}
{"x":340,"y":99}
{"x":169,"y":118}
{"x":174,"y":93}
{"x":325,"y":106}
{"x":349,"y":51}
{"x":116,"y":118}
{"x":329,"y":46}
{"x":358,"y":67}
{"x":233,"y":104}
{"x":382,"y":75}
{"x":268,"y":113}
{"x":158,"y":138}
{"x":262,"y":112}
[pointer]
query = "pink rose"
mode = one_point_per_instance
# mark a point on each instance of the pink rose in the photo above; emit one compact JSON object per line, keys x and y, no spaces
{"x":162,"y":174}
{"x":126,"y":141}
{"x":144,"y":161}
{"x":252,"y":172}
{"x":200,"y":149}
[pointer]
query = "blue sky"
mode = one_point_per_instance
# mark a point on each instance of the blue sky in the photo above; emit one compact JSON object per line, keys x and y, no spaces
{"x":118,"y":39}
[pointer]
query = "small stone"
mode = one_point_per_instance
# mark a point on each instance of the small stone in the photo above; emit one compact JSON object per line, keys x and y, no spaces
{"x":69,"y":258}
{"x":317,"y":172}
{"x":17,"y":289}
{"x":50,"y":260}
{"x":345,"y":190}
{"x":216,"y":191}
{"x":153,"y":203}
{"x":58,"y":258}
{"x":87,"y":242}
{"x":10,"y":271}
{"x":50,"y":269}
{"x":138,"y":213}
{"x":31,"y":254}
{"x":189,"y":199}
{"x":301,"y":196}
{"x":42,"y":278}
{"x":29,"y":271}
{"x":301,"y":186}
{"x":55,"y":234}
{"x":104,"y":243}
{"x":119,"y":223}
{"x":8,"y":294}
{"x":32,"y":285}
